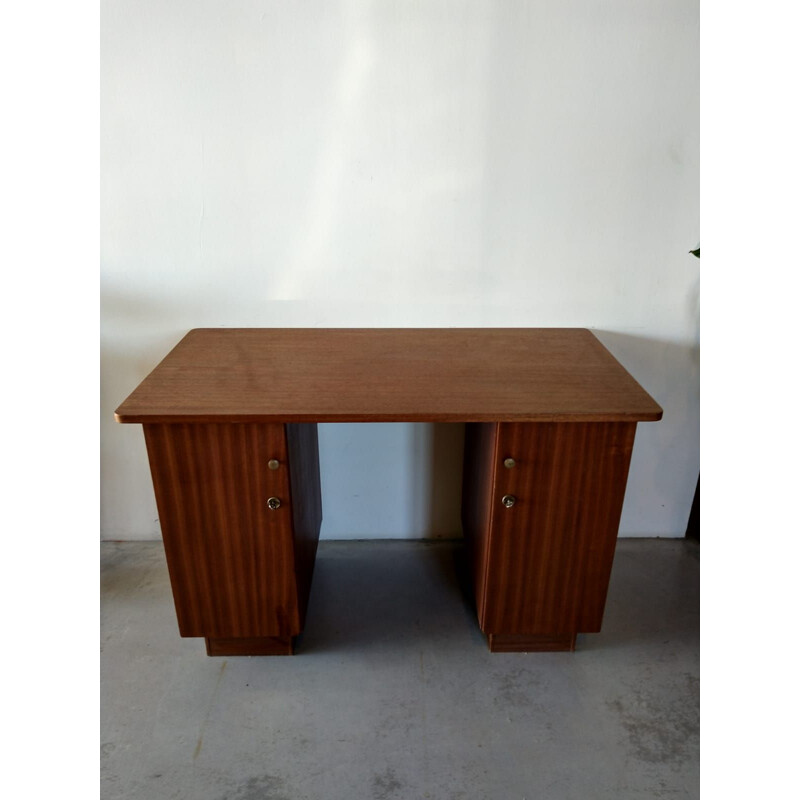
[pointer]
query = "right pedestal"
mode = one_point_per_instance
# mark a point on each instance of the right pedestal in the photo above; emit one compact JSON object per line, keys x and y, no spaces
{"x":540,"y":509}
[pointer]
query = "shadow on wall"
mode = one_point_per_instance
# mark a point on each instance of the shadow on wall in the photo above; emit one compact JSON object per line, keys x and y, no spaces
{"x":666,"y":454}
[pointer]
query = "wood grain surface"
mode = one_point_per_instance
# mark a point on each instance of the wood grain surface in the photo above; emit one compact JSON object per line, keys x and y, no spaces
{"x":236,"y":567}
{"x":388,"y":375}
{"x":542,"y":566}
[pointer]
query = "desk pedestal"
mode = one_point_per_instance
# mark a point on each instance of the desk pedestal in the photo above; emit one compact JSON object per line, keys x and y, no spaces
{"x":240,"y":569}
{"x":240,"y":510}
{"x":540,"y":508}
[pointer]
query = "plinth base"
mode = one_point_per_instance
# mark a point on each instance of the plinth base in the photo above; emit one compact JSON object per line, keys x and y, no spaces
{"x":531,"y":643}
{"x":251,"y":646}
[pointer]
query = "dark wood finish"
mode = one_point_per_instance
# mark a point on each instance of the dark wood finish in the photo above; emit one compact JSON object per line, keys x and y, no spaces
{"x":306,"y":504}
{"x":388,"y":375}
{"x":252,"y":646}
{"x":530,"y":643}
{"x":542,"y":567}
{"x":233,"y":562}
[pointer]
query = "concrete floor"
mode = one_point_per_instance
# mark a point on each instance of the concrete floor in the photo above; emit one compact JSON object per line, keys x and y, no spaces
{"x":393,"y":693}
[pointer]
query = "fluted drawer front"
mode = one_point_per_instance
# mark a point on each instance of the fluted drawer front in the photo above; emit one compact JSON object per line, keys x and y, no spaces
{"x":230,"y":556}
{"x":553,"y":518}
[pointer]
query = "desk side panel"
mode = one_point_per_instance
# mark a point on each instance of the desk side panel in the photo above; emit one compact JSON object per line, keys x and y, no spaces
{"x":306,"y":500}
{"x":480,"y":445}
{"x":231,"y":559}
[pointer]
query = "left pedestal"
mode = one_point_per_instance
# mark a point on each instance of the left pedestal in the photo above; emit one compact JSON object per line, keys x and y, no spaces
{"x":240,"y":511}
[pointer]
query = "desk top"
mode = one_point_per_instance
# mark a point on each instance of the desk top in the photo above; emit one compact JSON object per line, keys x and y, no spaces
{"x":389,"y":375}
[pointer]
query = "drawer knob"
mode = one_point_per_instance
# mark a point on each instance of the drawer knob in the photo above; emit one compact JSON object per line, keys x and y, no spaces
{"x":508,"y":500}
{"x":273,"y":463}
{"x":509,"y":462}
{"x":274,"y":503}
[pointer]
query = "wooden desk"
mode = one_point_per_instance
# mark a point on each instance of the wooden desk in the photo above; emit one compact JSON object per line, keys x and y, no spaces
{"x":229,"y":420}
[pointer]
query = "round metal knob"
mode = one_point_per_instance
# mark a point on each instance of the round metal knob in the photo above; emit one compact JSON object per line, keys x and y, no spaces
{"x":274,"y":503}
{"x":273,"y":463}
{"x":509,"y":462}
{"x":508,"y":500}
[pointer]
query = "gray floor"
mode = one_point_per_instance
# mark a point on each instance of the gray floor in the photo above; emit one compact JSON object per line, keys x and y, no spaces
{"x":393,"y":693}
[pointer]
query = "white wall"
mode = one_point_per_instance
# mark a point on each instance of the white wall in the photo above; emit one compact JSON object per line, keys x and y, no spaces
{"x":430,"y":163}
